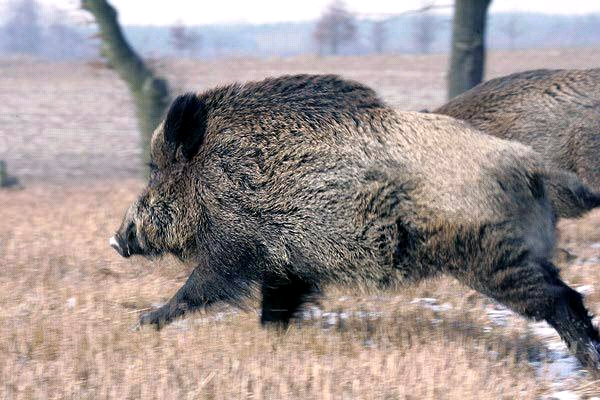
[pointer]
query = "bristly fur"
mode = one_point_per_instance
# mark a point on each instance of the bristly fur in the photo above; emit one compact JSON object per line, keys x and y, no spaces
{"x":557,"y":112}
{"x":300,"y":182}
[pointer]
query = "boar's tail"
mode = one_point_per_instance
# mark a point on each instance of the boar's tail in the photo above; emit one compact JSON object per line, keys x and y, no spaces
{"x":569,"y":196}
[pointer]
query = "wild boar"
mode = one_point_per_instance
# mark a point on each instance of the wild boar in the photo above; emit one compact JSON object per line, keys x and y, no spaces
{"x":295,"y":183}
{"x":557,"y":112}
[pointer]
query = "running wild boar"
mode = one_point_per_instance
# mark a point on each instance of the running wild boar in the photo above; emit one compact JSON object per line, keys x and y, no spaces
{"x":291,"y":184}
{"x":557,"y":112}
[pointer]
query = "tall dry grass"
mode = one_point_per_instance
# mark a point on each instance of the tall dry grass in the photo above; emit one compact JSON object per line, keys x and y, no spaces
{"x":68,"y":305}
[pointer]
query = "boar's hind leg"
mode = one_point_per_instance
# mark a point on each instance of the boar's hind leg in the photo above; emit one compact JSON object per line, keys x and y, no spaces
{"x":573,"y":323}
{"x":283,"y":297}
{"x":534,"y":289}
{"x":199,"y":290}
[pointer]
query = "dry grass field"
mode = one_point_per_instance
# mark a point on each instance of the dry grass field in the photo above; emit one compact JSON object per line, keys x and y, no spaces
{"x":68,"y":302}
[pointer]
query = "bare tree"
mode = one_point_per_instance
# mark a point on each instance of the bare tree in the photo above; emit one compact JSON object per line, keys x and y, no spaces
{"x":6,"y":180}
{"x":184,"y":40}
{"x":424,"y":28}
{"x":585,"y":30}
{"x":512,"y":29}
{"x":379,"y":36}
{"x":23,"y":31}
{"x":150,"y":93}
{"x":335,"y":28}
{"x":468,"y":45}
{"x":63,"y":39}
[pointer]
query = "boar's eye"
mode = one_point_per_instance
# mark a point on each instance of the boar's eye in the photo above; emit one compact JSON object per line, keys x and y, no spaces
{"x":152,"y":167}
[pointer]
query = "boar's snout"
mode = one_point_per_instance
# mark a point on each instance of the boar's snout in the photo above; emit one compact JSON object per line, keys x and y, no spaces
{"x":114,"y":243}
{"x":125,"y":241}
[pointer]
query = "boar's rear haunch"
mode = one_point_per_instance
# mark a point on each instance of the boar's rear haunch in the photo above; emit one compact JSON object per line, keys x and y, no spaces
{"x":298,"y":182}
{"x":557,"y":112}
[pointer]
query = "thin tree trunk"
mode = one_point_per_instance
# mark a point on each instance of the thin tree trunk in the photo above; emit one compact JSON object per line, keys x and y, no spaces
{"x":468,"y":45}
{"x":150,"y":93}
{"x":3,"y":173}
{"x":6,"y":180}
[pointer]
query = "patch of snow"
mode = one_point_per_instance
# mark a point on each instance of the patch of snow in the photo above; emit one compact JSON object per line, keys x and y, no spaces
{"x":432,"y":304}
{"x":543,"y":330}
{"x":585,"y":290}
{"x":71,"y":302}
{"x":563,"y":395}
{"x":498,"y":315}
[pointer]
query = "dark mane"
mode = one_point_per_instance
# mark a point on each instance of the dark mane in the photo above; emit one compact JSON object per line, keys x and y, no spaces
{"x":298,"y":94}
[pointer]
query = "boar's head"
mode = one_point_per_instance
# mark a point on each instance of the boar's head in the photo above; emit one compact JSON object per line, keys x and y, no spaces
{"x":168,"y":214}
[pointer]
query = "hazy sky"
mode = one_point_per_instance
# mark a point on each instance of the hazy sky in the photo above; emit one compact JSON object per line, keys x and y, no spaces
{"x":258,"y":11}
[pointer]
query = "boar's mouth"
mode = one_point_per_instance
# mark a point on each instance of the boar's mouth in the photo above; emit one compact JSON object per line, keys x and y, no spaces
{"x":126,"y":244}
{"x":114,"y":243}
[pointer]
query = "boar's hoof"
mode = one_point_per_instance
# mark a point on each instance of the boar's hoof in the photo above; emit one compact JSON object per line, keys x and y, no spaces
{"x":135,"y":327}
{"x":158,"y":318}
{"x":163,"y":315}
{"x":589,"y":356}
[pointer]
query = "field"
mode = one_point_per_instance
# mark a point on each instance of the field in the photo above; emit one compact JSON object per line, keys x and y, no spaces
{"x":68,"y":302}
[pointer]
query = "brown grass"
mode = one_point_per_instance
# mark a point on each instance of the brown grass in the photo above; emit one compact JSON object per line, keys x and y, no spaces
{"x":68,"y":302}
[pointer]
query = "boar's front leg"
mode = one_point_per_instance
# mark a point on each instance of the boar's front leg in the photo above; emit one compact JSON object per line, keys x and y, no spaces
{"x":282,"y":297}
{"x":200,"y":290}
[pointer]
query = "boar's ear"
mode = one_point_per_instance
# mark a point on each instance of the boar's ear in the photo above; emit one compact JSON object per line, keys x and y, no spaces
{"x":185,"y":125}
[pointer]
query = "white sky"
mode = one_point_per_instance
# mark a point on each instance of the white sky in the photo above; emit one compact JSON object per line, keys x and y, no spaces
{"x":151,"y":12}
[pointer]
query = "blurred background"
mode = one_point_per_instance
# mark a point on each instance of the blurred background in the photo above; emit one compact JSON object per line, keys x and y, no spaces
{"x":82,"y":86}
{"x":65,"y":52}
{"x":60,"y":30}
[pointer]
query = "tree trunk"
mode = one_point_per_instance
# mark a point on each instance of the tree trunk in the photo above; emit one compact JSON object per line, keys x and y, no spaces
{"x":150,"y":93}
{"x":468,"y":45}
{"x":3,"y":173}
{"x":6,"y":180}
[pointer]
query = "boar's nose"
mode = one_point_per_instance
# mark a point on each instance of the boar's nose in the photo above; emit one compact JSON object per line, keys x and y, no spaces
{"x":125,"y":243}
{"x":114,"y":243}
